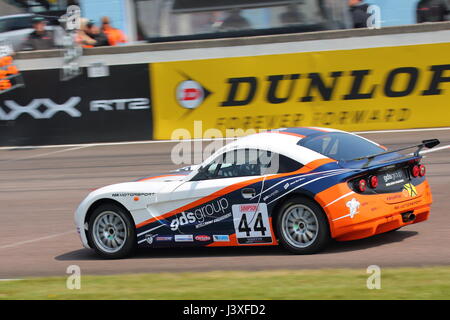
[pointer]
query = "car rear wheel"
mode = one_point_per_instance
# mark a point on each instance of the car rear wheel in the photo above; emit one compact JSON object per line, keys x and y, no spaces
{"x":112,"y":232}
{"x":302,"y":226}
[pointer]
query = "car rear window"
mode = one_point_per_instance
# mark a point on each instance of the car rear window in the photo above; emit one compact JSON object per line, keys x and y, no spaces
{"x":340,"y":146}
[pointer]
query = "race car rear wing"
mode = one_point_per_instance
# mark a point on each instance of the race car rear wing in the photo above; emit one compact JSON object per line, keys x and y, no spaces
{"x":430,"y":143}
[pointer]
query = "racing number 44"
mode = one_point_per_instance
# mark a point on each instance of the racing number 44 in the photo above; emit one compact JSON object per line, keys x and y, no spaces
{"x":251,"y":222}
{"x":258,"y":225}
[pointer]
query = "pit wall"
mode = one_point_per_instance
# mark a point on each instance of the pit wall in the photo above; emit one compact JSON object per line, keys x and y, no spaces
{"x":355,"y":80}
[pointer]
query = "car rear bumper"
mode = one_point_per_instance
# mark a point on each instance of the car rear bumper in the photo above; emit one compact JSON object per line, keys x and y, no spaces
{"x":380,"y":225}
{"x":371,"y":214}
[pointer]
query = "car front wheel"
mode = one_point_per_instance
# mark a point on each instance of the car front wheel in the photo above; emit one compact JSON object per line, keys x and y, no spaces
{"x":112,"y":232}
{"x":302,"y":226}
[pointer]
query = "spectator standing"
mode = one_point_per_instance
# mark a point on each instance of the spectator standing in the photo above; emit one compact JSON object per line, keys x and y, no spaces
{"x":115,"y":36}
{"x":95,"y":33}
{"x":40,"y":38}
{"x":358,"y":11}
{"x":235,"y":21}
{"x":432,"y":10}
{"x":82,"y":37}
{"x":291,"y":16}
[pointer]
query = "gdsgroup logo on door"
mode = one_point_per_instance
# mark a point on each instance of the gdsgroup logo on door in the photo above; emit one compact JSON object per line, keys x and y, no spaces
{"x":365,"y":89}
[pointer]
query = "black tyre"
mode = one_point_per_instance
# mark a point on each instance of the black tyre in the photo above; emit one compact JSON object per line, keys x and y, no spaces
{"x":112,"y":232}
{"x":302,"y":226}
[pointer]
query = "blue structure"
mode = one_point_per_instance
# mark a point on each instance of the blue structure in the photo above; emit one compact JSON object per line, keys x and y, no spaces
{"x":396,"y":12}
{"x":114,"y":9}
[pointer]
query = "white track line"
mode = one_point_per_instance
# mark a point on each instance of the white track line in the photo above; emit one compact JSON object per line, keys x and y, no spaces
{"x":17,"y":244}
{"x":403,"y":130}
{"x":50,"y":153}
{"x":435,"y":149}
{"x":104,"y":144}
{"x":45,"y":154}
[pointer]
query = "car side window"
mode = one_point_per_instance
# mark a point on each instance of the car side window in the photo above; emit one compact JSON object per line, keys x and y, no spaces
{"x":234,"y":163}
{"x":280,"y":164}
{"x":247,"y":162}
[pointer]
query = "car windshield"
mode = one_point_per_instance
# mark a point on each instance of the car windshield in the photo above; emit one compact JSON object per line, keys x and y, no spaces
{"x":340,"y":146}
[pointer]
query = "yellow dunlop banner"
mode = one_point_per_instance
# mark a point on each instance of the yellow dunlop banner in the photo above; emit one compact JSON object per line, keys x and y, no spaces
{"x":364,"y":89}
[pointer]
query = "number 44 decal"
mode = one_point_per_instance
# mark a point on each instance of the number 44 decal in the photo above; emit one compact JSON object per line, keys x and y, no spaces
{"x":258,"y":226}
{"x":251,"y":223}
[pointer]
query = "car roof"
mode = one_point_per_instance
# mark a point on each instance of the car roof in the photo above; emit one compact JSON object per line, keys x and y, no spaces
{"x":282,"y":141}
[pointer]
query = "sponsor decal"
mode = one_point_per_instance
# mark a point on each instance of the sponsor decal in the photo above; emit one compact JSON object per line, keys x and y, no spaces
{"x":149,"y":238}
{"x":329,"y":88}
{"x":394,"y":197}
{"x":393,"y":178}
{"x":39,"y":109}
{"x":46,"y":108}
{"x":202,"y":238}
{"x":248,"y":207}
{"x":120,"y":104}
{"x":137,"y":194}
{"x":163,"y":238}
{"x":255,"y":240}
{"x":200,"y":214}
{"x":409,"y":190}
{"x":251,"y":223}
{"x":353,"y":205}
{"x":273,"y":193}
{"x":190,"y":94}
{"x":64,"y":107}
{"x":184,"y":238}
{"x":221,"y":238}
{"x":201,"y":225}
{"x":408,"y":204}
{"x":289,"y":184}
{"x":296,"y":181}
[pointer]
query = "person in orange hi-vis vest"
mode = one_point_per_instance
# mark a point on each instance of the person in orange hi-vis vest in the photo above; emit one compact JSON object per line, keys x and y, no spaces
{"x":115,"y":36}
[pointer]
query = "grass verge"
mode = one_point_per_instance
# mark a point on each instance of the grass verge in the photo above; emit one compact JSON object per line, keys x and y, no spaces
{"x":396,"y":283}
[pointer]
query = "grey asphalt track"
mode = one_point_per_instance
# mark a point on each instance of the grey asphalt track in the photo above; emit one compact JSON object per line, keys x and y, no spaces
{"x":40,"y":189}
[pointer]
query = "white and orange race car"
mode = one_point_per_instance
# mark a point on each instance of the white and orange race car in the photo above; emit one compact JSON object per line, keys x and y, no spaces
{"x":298,"y":187}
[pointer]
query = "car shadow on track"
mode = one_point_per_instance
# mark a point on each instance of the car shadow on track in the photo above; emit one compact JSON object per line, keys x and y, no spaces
{"x":199,"y":252}
{"x":371,"y":242}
